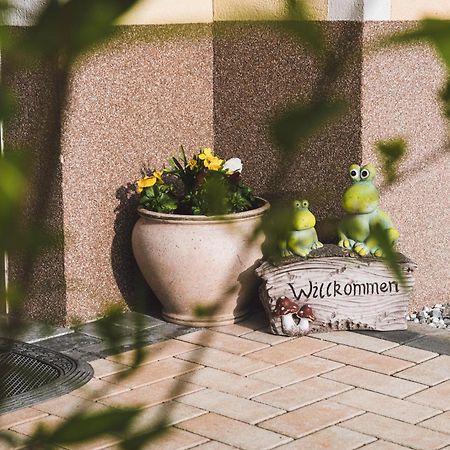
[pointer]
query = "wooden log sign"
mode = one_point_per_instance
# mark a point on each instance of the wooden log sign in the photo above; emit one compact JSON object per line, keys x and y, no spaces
{"x":343,"y":292}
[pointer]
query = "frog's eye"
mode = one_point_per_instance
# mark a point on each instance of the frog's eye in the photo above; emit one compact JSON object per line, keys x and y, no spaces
{"x":305,"y":204}
{"x":354,"y":172}
{"x":297,"y":204}
{"x":368,"y":172}
{"x":364,"y":174}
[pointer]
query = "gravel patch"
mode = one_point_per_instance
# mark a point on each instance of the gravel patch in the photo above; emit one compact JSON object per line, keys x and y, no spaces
{"x":437,"y":316}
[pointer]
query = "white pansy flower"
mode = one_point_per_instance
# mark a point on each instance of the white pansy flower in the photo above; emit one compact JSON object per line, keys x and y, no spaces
{"x":233,"y":165}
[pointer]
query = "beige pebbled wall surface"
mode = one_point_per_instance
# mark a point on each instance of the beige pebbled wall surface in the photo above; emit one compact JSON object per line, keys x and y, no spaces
{"x":399,"y":99}
{"x":259,"y":70}
{"x":132,"y":104}
{"x":152,"y":88}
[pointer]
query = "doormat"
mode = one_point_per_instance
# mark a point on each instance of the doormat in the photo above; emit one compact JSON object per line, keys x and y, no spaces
{"x":30,"y":374}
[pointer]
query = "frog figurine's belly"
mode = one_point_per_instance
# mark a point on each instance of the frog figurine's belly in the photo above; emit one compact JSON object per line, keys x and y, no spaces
{"x":301,"y":242}
{"x":357,"y":226}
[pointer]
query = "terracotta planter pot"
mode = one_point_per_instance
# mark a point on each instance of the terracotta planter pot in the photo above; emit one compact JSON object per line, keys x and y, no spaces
{"x":200,"y":264}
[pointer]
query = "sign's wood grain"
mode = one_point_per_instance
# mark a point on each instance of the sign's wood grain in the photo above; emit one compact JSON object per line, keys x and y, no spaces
{"x":345,"y":293}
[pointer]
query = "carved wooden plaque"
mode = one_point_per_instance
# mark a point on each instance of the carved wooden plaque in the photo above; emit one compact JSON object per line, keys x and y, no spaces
{"x":344,"y":292}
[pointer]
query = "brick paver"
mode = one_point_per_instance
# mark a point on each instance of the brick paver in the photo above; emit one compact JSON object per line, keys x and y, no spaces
{"x":331,"y":438}
{"x":222,"y":341}
{"x":357,"y":340}
{"x":384,"y":445}
{"x":240,"y":365}
{"x":296,"y":370}
{"x":154,"y":372}
{"x":233,"y":432}
{"x":311,"y":418}
{"x":152,"y":394}
{"x":28,"y":428}
{"x":438,"y":423}
{"x":104,"y":367}
{"x":377,"y":403}
{"x":237,"y":387}
{"x":365,"y":359}
{"x":415,"y":355}
{"x":430,"y":372}
{"x":266,"y":338}
{"x":436,"y":397}
{"x":287,"y":351}
{"x":374,"y":381}
{"x":173,"y":439}
{"x":231,"y":406}
{"x":17,"y":437}
{"x":214,"y":445}
{"x":399,"y":432}
{"x":230,"y":383}
{"x":96,"y":389}
{"x":172,"y":412}
{"x":67,"y":405}
{"x":302,"y":393}
{"x":20,"y":416}
{"x":154,"y":352}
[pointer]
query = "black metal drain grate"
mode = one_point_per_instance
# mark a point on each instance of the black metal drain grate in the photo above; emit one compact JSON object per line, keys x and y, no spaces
{"x":31,"y":374}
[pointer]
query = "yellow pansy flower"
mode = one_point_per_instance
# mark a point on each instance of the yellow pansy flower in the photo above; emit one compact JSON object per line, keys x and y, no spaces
{"x":206,"y":154}
{"x":144,"y":183}
{"x":210,"y":161}
{"x":192,"y":164}
{"x":214,"y":163}
{"x":158,"y":175}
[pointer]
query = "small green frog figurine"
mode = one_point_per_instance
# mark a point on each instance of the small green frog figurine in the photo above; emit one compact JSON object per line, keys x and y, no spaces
{"x":360,"y":202}
{"x":303,"y":238}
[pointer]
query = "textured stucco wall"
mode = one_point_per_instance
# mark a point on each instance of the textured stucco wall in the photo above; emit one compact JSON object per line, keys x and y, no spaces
{"x":400,"y":99}
{"x":32,"y":130}
{"x":134,"y":100}
{"x":132,"y":103}
{"x":259,"y":69}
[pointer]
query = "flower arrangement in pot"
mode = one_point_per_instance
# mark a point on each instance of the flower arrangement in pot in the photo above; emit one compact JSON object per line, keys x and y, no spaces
{"x":194,"y":241}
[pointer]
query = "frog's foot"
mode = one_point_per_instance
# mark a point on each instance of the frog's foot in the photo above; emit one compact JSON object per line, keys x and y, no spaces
{"x":317,"y":245}
{"x":377,"y":252}
{"x":361,"y":249}
{"x":285,"y":253}
{"x":302,"y":251}
{"x":393,"y":235}
{"x":346,"y":243}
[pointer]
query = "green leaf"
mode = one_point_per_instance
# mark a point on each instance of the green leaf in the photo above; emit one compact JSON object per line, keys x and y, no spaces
{"x":433,"y":31}
{"x":8,"y":103}
{"x":391,"y":153}
{"x":91,"y":425}
{"x":276,"y":225}
{"x":139,"y":440}
{"x":292,"y":128}
{"x":68,"y":28}
{"x":201,"y":311}
{"x":390,"y":257}
{"x":445,"y":98}
{"x":303,"y":28}
{"x":214,"y":195}
{"x":183,"y":155}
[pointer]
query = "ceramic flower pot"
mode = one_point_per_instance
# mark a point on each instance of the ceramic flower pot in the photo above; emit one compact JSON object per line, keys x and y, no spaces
{"x":201,"y":268}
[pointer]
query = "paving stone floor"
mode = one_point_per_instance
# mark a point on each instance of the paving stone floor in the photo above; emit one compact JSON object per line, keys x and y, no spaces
{"x":239,"y":387}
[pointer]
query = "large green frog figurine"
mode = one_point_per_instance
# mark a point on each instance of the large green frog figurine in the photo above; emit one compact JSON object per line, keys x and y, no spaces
{"x":360,"y":202}
{"x":303,"y":238}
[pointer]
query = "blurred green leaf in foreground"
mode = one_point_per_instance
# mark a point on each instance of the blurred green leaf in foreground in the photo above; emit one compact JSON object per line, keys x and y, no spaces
{"x":391,"y":153}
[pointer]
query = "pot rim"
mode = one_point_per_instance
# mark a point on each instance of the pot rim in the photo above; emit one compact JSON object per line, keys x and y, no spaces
{"x":166,"y":217}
